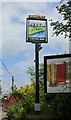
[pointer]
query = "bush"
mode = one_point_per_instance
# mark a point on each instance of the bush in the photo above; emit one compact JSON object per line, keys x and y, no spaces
{"x":22,"y":113}
{"x":62,"y":105}
{"x":23,"y":104}
{"x":16,"y":111}
{"x":59,"y":107}
{"x":28,"y":97}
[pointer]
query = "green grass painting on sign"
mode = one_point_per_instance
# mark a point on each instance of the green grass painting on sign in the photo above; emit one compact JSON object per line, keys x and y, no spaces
{"x":34,"y":30}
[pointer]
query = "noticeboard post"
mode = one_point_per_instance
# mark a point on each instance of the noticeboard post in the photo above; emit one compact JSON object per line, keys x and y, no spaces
{"x":36,"y":32}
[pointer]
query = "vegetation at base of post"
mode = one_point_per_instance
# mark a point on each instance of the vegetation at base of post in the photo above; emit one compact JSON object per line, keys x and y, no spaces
{"x":20,"y":103}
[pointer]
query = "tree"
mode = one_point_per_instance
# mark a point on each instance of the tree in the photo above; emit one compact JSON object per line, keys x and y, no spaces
{"x":41,"y":71}
{"x":31,"y":71}
{"x":65,"y":26}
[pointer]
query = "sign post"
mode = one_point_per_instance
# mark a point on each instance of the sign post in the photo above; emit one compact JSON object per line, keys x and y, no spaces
{"x":37,"y":103}
{"x":36,"y":32}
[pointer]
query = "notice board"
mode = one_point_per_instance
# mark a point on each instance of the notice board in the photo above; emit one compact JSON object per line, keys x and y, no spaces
{"x":57,"y":73}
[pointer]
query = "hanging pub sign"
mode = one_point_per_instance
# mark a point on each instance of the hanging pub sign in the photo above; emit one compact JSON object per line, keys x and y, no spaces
{"x":36,"y":29}
{"x":57,"y":73}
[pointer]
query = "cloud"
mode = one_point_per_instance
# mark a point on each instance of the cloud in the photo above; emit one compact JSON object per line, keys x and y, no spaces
{"x":0,"y":30}
{"x":22,"y":66}
{"x":31,"y":1}
{"x":1,"y":72}
{"x":14,"y":26}
{"x":59,"y":40}
{"x":11,"y":42}
{"x":19,"y":71}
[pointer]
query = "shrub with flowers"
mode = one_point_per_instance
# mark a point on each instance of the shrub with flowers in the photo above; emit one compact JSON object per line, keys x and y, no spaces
{"x":16,"y":111}
{"x":20,"y":102}
{"x":7,"y":100}
{"x":28,"y":94}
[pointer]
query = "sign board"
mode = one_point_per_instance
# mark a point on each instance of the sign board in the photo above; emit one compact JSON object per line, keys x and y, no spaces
{"x":36,"y":29}
{"x":57,"y":73}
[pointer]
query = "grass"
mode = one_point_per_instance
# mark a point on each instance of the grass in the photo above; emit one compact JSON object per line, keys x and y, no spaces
{"x":33,"y":30}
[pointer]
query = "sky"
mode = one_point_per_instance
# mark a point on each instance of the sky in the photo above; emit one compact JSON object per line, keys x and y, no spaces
{"x":16,"y":54}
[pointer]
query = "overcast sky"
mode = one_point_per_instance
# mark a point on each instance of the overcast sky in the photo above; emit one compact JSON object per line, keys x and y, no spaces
{"x":16,"y":54}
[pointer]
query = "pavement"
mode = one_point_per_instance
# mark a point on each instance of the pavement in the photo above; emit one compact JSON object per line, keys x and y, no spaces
{"x":2,"y":114}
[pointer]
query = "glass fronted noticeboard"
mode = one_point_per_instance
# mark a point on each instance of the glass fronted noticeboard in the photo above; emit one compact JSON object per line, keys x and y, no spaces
{"x":57,"y":73}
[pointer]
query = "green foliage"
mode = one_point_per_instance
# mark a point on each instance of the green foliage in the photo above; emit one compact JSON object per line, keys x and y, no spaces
{"x":28,"y":102}
{"x":13,"y":110}
{"x":16,"y":111}
{"x":25,"y":103}
{"x":41,"y":71}
{"x":60,"y":27}
{"x":55,"y":107}
{"x":41,"y":82}
{"x":31,"y":72}
{"x":62,"y":106}
{"x":27,"y":98}
{"x":59,"y":107}
{"x":22,"y":113}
